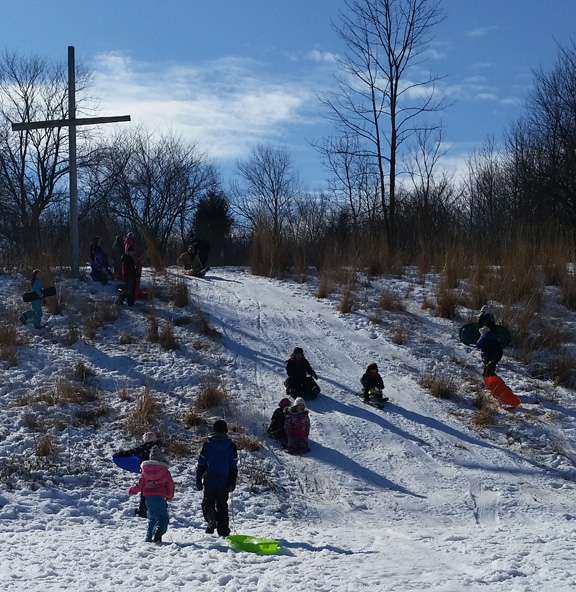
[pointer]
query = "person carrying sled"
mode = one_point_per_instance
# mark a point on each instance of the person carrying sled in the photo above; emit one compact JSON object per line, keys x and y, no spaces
{"x":301,"y":376}
{"x":36,"y":311}
{"x":297,"y":427}
{"x":216,"y":474}
{"x":157,"y":487}
{"x":491,"y":350}
{"x":276,"y":428}
{"x":129,"y":275}
{"x":486,"y":319}
{"x":371,"y":379}
{"x":142,"y":451}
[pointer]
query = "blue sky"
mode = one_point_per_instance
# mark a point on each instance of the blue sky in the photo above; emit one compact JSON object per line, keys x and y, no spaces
{"x":229,"y":74}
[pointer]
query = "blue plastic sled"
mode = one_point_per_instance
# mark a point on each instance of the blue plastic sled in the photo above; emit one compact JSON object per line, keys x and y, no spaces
{"x":127,"y":463}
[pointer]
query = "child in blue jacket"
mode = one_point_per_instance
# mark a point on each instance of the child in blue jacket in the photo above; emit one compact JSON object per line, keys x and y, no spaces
{"x":216,"y":474}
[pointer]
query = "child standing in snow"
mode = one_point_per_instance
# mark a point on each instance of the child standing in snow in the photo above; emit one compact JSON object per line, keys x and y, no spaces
{"x":216,"y":474}
{"x":297,"y":426}
{"x":149,"y":440}
{"x":157,"y":486}
{"x":371,"y":379}
{"x":276,"y":428}
{"x":36,"y":311}
{"x":491,"y":350}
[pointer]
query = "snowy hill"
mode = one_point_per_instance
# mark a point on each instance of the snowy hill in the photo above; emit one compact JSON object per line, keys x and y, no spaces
{"x":411,"y":497}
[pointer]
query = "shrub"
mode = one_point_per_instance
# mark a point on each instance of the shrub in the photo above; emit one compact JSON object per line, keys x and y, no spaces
{"x":193,"y":419}
{"x":178,"y":293}
{"x":391,"y":301}
{"x":210,"y":394}
{"x":325,"y":285}
{"x":166,"y":337}
{"x":347,"y":302}
{"x":440,"y":387}
{"x":487,"y":410}
{"x":143,"y":416}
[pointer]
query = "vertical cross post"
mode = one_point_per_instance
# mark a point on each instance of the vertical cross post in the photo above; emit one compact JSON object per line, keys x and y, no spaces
{"x":71,"y":123}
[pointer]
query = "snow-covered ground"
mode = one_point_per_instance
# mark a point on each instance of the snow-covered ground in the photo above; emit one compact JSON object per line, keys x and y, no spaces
{"x":412,"y":497}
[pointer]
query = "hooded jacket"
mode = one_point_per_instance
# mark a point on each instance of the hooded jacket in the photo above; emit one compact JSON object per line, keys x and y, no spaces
{"x":218,"y":462}
{"x":155,"y":479}
{"x":297,"y":423}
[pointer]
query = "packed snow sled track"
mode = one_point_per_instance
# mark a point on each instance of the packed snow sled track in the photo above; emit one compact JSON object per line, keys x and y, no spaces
{"x":384,"y":465}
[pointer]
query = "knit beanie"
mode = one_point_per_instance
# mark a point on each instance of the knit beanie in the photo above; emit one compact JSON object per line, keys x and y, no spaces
{"x":285,"y":402}
{"x":157,"y":455}
{"x":220,"y":427}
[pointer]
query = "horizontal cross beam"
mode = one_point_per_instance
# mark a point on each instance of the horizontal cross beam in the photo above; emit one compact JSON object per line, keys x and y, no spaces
{"x":30,"y":125}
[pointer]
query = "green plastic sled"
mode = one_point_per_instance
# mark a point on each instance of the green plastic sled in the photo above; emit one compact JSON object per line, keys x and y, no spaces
{"x":241,"y":542}
{"x":469,"y":334}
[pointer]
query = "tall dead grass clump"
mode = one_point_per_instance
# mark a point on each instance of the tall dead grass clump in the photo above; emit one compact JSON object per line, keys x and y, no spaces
{"x":391,"y":301}
{"x":487,"y":411}
{"x":438,"y":385}
{"x":178,"y":293}
{"x":211,"y":392}
{"x":100,"y":316}
{"x":268,"y":257}
{"x":143,"y":416}
{"x":567,"y":296}
{"x":348,"y":300}
{"x":326,"y":285}
{"x":446,"y":300}
{"x":166,"y":337}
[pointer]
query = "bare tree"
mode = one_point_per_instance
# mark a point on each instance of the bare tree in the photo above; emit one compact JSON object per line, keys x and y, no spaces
{"x":383,"y":92}
{"x":33,"y":163}
{"x":152,"y":184}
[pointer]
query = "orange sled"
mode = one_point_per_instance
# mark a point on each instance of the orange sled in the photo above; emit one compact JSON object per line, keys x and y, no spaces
{"x":502,"y":393}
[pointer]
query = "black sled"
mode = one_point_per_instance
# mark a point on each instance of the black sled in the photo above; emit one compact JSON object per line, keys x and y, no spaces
{"x":31,"y":296}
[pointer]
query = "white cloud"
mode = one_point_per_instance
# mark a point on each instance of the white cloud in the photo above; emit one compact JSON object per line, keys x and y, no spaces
{"x":481,"y":31}
{"x":225,"y":106}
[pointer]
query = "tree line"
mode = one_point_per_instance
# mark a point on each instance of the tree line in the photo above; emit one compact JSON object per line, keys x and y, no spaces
{"x":387,"y":199}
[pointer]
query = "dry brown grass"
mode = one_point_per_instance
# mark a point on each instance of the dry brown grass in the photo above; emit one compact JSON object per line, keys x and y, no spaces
{"x":246,"y":442}
{"x":446,"y":300}
{"x":400,"y":336}
{"x":126,"y":339}
{"x":179,"y":448}
{"x":391,"y":301}
{"x":326,"y":285}
{"x":143,"y":416}
{"x":487,"y":410}
{"x":193,"y":419}
{"x":166,"y":337}
{"x":348,"y":300}
{"x":102,"y":314}
{"x":47,"y":447}
{"x":438,"y":385}
{"x":178,"y":293}
{"x":210,"y":394}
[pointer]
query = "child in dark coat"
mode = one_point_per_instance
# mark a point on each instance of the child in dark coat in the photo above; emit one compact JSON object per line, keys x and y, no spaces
{"x":216,"y":474}
{"x":156,"y":485}
{"x":142,"y":451}
{"x":297,"y":426}
{"x":491,"y":350}
{"x":276,"y":429}
{"x":371,"y":379}
{"x":301,"y":376}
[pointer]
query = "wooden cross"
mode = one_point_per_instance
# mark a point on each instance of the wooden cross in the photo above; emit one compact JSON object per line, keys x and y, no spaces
{"x":71,"y":124}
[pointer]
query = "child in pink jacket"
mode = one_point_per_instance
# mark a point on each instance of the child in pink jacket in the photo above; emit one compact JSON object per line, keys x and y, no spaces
{"x":297,"y":427}
{"x":156,"y":484}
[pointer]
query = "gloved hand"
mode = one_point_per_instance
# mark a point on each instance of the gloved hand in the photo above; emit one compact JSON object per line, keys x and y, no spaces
{"x":199,"y":485}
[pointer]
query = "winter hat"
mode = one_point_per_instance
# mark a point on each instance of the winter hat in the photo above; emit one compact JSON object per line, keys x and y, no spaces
{"x":149,"y":437}
{"x":299,"y":401}
{"x":157,"y":454}
{"x":372,"y":367}
{"x":298,"y":350}
{"x":285,"y":402}
{"x":485,"y":309}
{"x":484,"y":330}
{"x":220,"y":427}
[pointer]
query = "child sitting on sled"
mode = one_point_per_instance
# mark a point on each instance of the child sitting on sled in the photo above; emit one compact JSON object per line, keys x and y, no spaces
{"x":297,"y":427}
{"x":370,"y":380}
{"x":156,"y":485}
{"x":276,"y":428}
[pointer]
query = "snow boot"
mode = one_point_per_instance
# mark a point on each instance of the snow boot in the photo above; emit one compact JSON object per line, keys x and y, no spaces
{"x":210,"y":528}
